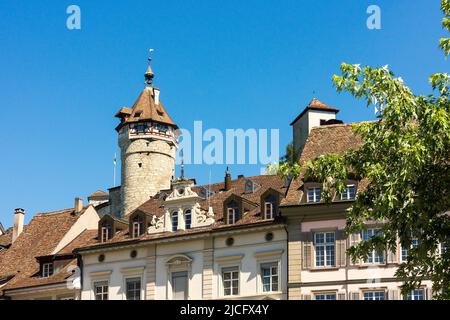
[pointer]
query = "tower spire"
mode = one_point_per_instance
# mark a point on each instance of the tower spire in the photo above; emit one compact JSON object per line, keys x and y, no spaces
{"x":149,"y":75}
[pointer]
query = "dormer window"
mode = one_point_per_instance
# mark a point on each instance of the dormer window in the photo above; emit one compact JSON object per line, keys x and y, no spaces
{"x":349,"y":193}
{"x":251,"y":186}
{"x":232,"y":212}
{"x":314,"y":195}
{"x":47,"y":270}
{"x":106,"y":232}
{"x":175,"y":221}
{"x":270,"y":207}
{"x":138,"y":227}
{"x":188,"y":219}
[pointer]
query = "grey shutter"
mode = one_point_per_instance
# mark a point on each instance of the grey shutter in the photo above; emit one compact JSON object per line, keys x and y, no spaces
{"x":306,"y":297}
{"x":307,"y":247}
{"x":392,"y":256}
{"x":428,"y":294}
{"x":341,"y":247}
{"x":341,"y":296}
{"x":354,"y":295}
{"x":355,"y":238}
{"x":393,"y":295}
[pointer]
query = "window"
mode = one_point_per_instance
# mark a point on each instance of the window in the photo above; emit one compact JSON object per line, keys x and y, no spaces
{"x":349,"y":193}
{"x":101,"y":290}
{"x":232,"y":212}
{"x":270,"y":207}
{"x":47,"y":270}
{"x":374,"y":295}
{"x":188,"y":218}
{"x":269,"y":275}
{"x":445,"y":246}
{"x":325,"y":249}
{"x":325,"y":296}
{"x":106,"y":231}
{"x":138,"y":226}
{"x":180,"y":285}
{"x":133,"y":288}
{"x":230,"y":278}
{"x":314,"y":194}
{"x":374,"y":257}
{"x":414,"y":244}
{"x":175,"y":221}
{"x":418,"y":294}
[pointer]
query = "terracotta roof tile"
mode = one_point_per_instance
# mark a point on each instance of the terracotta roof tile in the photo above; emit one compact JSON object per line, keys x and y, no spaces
{"x":316,"y":104}
{"x":329,"y":139}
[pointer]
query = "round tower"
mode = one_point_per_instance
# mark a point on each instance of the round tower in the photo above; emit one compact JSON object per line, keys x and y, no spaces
{"x":148,"y":144}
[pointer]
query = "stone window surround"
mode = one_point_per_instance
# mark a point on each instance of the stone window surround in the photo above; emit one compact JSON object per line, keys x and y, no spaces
{"x":228,"y":262}
{"x":267,"y":257}
{"x":178,"y":263}
{"x":98,"y":276}
{"x":133,"y":272}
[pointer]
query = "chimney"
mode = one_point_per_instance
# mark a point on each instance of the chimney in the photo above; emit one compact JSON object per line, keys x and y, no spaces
{"x":227,"y":180}
{"x":19,"y":216}
{"x":78,"y":205}
{"x":156,"y":91}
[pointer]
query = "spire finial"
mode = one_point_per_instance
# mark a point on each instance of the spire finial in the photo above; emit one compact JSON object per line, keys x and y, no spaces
{"x":149,"y":75}
{"x":182,"y":163}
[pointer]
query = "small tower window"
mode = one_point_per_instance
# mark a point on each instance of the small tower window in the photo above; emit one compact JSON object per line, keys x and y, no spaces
{"x":138,"y":227}
{"x":232,"y":212}
{"x":106,"y":233}
{"x":47,"y":270}
{"x":188,"y":219}
{"x":175,"y":221}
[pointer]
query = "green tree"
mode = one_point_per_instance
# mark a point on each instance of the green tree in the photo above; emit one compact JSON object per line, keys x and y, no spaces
{"x":404,"y":161}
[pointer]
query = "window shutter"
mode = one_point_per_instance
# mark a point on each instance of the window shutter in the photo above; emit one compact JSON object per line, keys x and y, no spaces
{"x":307,"y":247}
{"x":306,"y":297}
{"x":428,"y":294}
{"x":341,"y":296}
{"x":392,"y":256}
{"x":354,"y":295}
{"x":392,"y":295}
{"x":341,"y":256}
{"x":355,"y":238}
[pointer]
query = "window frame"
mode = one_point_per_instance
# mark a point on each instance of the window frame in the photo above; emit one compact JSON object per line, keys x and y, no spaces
{"x":232,"y":269}
{"x":172,"y":285}
{"x":314,"y":194}
{"x":270,"y":264}
{"x":411,"y":294}
{"x":325,"y":245}
{"x":105,"y":231}
{"x":374,"y":255}
{"x":133,"y":277}
{"x":232,"y":212}
{"x":47,"y":269}
{"x":187,"y":225}
{"x":102,"y":294}
{"x":325,"y":293}
{"x":404,"y":252}
{"x":347,"y":193}
{"x":373,"y":291}
{"x":172,"y":220}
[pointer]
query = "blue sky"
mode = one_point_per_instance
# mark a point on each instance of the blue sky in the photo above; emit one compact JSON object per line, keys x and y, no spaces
{"x":231,"y":64}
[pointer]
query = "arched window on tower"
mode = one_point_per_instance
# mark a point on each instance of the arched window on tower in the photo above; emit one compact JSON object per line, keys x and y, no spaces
{"x":270,"y":207}
{"x":187,"y":219}
{"x":138,"y":227}
{"x":175,"y":221}
{"x":232,"y":212}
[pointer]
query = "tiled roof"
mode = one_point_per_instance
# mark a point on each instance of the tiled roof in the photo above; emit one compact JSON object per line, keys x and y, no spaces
{"x":39,"y":238}
{"x":98,"y":193}
{"x":6,"y":238}
{"x":329,"y":139}
{"x":251,"y":218}
{"x":147,"y":109}
{"x":316,"y":104}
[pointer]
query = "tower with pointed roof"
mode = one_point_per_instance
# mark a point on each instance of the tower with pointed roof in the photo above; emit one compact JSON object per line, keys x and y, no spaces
{"x":148,"y":142}
{"x":315,"y":114}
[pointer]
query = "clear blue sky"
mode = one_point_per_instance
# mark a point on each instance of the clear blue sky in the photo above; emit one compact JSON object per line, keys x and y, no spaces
{"x":231,"y":64}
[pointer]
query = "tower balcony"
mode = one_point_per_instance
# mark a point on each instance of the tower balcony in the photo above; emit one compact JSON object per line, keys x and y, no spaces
{"x":151,"y":129}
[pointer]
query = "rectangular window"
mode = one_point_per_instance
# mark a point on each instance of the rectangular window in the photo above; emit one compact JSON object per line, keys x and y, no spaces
{"x":268,"y":210}
{"x":230,"y":279}
{"x":101,"y":290}
{"x":180,"y":285}
{"x":136,"y":229}
{"x":175,"y":221}
{"x":324,"y":243}
{"x":314,"y":194}
{"x":374,"y":295}
{"x":418,"y":294}
{"x":445,"y":246}
{"x":47,"y":270}
{"x":232,"y":215}
{"x":414,"y":244}
{"x":349,"y":193}
{"x":325,"y":296}
{"x":133,"y":288}
{"x":374,"y":256}
{"x":269,"y":276}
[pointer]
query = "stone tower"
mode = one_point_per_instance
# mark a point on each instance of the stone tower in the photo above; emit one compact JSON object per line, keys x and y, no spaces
{"x":148,"y":143}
